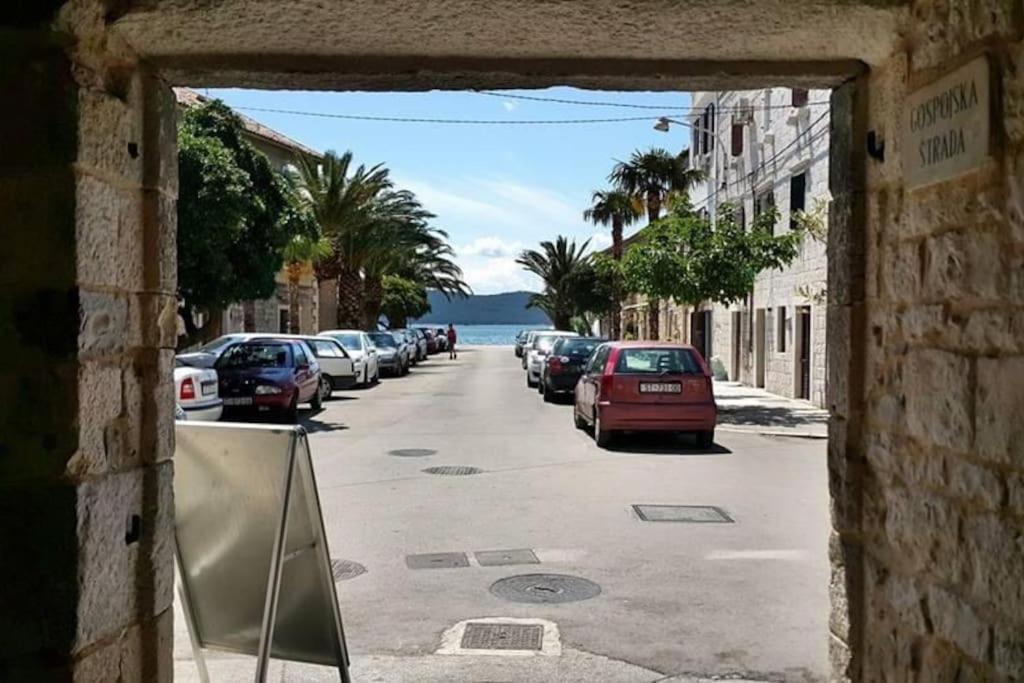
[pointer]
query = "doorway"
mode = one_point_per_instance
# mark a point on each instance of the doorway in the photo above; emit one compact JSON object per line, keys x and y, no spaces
{"x":760,"y":333}
{"x":700,"y":333}
{"x":737,"y":340}
{"x":803,"y":352}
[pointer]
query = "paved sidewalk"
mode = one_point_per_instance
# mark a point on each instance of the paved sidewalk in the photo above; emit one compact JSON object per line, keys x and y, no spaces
{"x":747,"y":409}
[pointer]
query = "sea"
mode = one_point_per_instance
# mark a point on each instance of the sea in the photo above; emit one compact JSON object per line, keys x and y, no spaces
{"x":491,"y":335}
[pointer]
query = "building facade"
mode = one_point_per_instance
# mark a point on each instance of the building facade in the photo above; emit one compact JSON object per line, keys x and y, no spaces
{"x":762,"y":150}
{"x":273,"y":313}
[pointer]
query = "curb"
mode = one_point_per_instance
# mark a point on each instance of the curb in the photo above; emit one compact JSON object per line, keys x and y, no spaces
{"x":762,"y":432}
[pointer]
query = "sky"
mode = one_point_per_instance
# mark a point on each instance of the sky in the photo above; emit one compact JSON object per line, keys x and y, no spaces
{"x":495,"y":189}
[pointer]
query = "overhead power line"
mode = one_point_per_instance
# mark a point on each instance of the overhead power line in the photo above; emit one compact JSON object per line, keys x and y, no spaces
{"x":593,"y":103}
{"x":470,"y":122}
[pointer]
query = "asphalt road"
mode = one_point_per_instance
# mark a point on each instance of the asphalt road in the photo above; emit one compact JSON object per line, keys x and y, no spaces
{"x":685,"y":600}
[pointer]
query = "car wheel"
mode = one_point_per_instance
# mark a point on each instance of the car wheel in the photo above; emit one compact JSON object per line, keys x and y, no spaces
{"x":549,"y":396}
{"x":291,"y":414}
{"x":577,"y":419}
{"x":706,"y":439}
{"x":317,"y":402}
{"x":327,"y":384}
{"x":602,"y":436}
{"x":530,"y":384}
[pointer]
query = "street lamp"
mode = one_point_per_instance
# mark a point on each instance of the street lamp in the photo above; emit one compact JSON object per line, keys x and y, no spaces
{"x":664,"y":121}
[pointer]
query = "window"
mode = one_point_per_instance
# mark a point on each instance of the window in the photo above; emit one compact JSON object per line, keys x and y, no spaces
{"x":300,"y":355}
{"x":254,"y":355}
{"x":781,"y":318}
{"x":737,"y":139}
{"x":763,"y":203}
{"x":656,"y":361}
{"x":798,"y":97}
{"x":597,"y":361}
{"x":797,"y":197}
{"x":282,"y":320}
{"x":326,"y":349}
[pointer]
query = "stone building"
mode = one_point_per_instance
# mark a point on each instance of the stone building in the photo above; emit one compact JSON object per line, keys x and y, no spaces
{"x":271,"y":314}
{"x":760,"y":149}
{"x":925,"y":312}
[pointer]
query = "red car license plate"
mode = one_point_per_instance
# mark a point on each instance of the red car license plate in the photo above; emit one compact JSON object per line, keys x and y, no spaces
{"x":660,"y":388}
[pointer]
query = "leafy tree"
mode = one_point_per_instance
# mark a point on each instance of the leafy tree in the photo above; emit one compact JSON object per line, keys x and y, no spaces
{"x":403,"y":299}
{"x":684,"y":258}
{"x":618,"y":209}
{"x":235,"y":215}
{"x":557,"y":265}
{"x":652,"y":177}
{"x":300,"y":256}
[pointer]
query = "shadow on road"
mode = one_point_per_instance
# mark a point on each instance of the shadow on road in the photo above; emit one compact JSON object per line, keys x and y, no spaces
{"x":641,"y":443}
{"x":312,"y":422}
{"x":770,"y":416}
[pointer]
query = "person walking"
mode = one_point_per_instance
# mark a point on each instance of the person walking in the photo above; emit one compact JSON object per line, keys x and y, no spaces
{"x":451,"y":342}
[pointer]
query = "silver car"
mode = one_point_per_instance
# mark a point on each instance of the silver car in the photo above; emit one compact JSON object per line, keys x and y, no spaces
{"x":537,"y":352}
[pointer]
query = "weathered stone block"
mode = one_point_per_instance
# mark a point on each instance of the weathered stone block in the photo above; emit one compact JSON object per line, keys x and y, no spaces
{"x":1008,"y":651}
{"x":109,"y":235}
{"x":995,"y":547}
{"x":160,"y":243}
{"x":100,"y":401}
{"x":153,"y":320}
{"x":976,"y":484}
{"x":939,"y":398}
{"x":104,"y":323}
{"x":957,"y":622}
{"x":121,"y":579}
{"x":960,"y":265}
{"x":142,"y":653}
{"x":901,"y":271}
{"x":110,"y":132}
{"x":160,"y":135}
{"x":1000,"y":410}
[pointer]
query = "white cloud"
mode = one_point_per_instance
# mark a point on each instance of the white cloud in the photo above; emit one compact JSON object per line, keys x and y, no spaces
{"x":490,"y":247}
{"x":539,"y":201}
{"x":494,"y":275}
{"x":509,"y":106}
{"x":600,"y":240}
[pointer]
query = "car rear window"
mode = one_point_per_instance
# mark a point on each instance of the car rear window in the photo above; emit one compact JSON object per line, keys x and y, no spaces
{"x":350,"y":341}
{"x":657,"y":361}
{"x":545,"y":342}
{"x":383,"y":339}
{"x":577,"y":346}
{"x":255,"y":356}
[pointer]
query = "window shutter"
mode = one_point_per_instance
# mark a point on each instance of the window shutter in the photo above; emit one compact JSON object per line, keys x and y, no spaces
{"x":737,"y":139}
{"x":798,"y":97}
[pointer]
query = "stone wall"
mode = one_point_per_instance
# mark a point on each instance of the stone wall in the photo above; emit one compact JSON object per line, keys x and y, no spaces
{"x":927,"y":455}
{"x":88,"y":180}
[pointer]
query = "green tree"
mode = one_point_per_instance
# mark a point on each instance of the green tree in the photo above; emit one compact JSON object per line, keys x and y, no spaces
{"x":301,"y":255}
{"x":618,"y":209}
{"x":235,"y":215}
{"x":557,"y":264}
{"x":684,"y":258}
{"x":403,"y":299}
{"x":651,"y":177}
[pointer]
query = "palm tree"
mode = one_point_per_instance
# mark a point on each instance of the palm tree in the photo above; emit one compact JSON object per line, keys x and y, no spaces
{"x":619,"y":209}
{"x":553,"y":265}
{"x":300,"y":256}
{"x":651,"y":177}
{"x":345,"y":204}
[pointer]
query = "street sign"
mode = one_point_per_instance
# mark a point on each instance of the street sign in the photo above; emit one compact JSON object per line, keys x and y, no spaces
{"x":254,"y":569}
{"x":946,"y":125}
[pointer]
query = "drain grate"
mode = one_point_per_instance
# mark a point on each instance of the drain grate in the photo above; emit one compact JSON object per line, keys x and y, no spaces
{"x":453,"y":470}
{"x":412,"y":452}
{"x":497,"y":558}
{"x":344,"y":570}
{"x":484,"y":636}
{"x":437,"y":561}
{"x":695,"y":514}
{"x":545,"y":588}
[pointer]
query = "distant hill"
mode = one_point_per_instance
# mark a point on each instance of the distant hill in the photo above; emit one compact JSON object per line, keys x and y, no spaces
{"x":508,"y":308}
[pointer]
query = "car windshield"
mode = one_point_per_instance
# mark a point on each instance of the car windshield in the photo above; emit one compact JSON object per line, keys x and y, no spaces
{"x":216,"y":345}
{"x":545,"y":342}
{"x":383,"y":339}
{"x":349,"y":340}
{"x":255,"y":356}
{"x":657,"y":361}
{"x":576,"y":346}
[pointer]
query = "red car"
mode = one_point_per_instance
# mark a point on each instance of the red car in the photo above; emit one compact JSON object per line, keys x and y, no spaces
{"x":269,"y":375}
{"x":646,"y":386}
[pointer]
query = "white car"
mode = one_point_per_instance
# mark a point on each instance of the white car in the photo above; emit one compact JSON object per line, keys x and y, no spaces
{"x":537,"y":352}
{"x":196,"y":392}
{"x":361,"y":351}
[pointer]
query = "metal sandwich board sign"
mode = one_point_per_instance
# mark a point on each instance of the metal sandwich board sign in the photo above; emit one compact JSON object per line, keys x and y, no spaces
{"x":253,"y":565}
{"x":947,"y":125}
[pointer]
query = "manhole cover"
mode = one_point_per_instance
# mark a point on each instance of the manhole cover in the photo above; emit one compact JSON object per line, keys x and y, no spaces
{"x":412,"y":452}
{"x":346,"y":569}
{"x":699,"y":514}
{"x":484,"y":636}
{"x":437,"y":561}
{"x":453,"y":470}
{"x":497,"y":558}
{"x":545,"y":588}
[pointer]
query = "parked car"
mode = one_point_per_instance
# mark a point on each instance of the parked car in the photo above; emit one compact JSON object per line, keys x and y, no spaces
{"x":207,"y":354}
{"x":269,"y":375}
{"x":389,"y":357}
{"x":539,"y":350}
{"x":412,"y":343}
{"x":528,"y":343}
{"x":646,"y":386}
{"x":406,"y":350}
{"x":421,"y":343}
{"x":442,"y":339}
{"x":564,"y":365}
{"x":433,"y":346}
{"x":362,"y":352}
{"x":337,"y":369}
{"x":520,"y":341}
{"x":196,"y":392}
